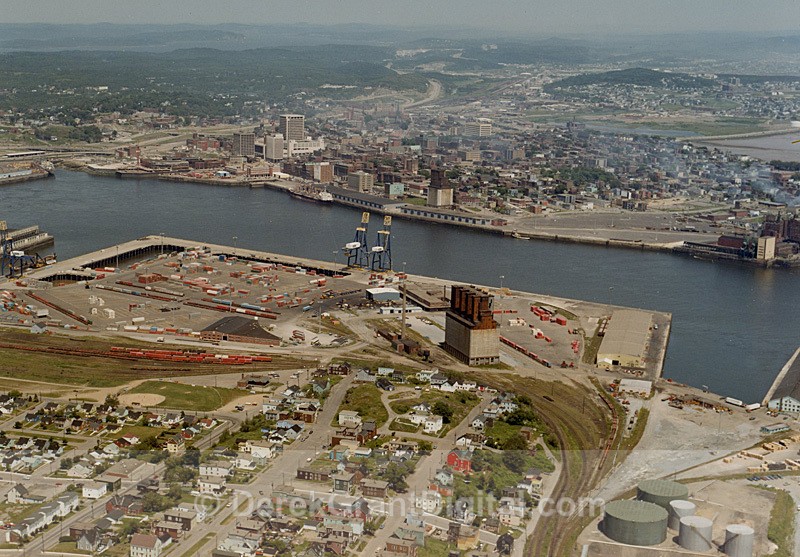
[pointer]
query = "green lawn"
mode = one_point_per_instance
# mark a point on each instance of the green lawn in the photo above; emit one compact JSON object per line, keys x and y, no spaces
{"x":68,"y":547}
{"x":781,"y":524}
{"x":461,"y":403}
{"x":433,"y":548}
{"x":501,"y":432}
{"x":366,"y":400}
{"x":404,"y":426}
{"x":179,"y":396}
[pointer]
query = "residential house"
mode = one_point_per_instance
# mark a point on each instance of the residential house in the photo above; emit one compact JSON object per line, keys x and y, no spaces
{"x":211,"y":485}
{"x":145,"y":545}
{"x":374,"y":488}
{"x":429,"y":502}
{"x":349,"y":418}
{"x":343,"y":482}
{"x":182,"y":517}
{"x":216,"y":468}
{"x":19,"y":495}
{"x":460,"y":461}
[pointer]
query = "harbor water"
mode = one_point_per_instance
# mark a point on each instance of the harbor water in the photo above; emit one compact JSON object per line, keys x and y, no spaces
{"x":733,"y":326}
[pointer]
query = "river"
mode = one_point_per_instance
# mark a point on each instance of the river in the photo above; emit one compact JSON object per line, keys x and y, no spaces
{"x":733,"y":326}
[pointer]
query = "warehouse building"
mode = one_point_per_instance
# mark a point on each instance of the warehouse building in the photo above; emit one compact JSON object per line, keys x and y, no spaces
{"x":239,"y":329}
{"x":625,"y":341}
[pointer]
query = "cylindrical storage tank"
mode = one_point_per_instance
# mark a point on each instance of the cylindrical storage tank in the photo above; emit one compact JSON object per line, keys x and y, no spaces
{"x":661,"y":492}
{"x":677,"y":510}
{"x":695,"y":533}
{"x":635,"y":522}
{"x":738,"y":540}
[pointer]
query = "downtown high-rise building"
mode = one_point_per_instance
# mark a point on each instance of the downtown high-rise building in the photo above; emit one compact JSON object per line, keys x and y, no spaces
{"x":292,"y":127}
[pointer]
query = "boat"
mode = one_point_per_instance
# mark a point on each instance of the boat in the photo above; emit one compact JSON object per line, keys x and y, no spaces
{"x":309,"y":193}
{"x":518,"y":236}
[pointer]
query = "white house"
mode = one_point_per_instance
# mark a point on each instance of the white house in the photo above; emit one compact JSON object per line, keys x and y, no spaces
{"x":429,"y":502}
{"x":211,"y":485}
{"x":260,"y":450}
{"x":94,"y":490}
{"x":219,"y":468}
{"x":432,"y":424}
{"x":145,"y":545}
{"x":349,"y":418}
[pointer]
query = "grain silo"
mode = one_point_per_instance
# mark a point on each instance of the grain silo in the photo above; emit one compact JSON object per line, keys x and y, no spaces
{"x":677,"y":510}
{"x":695,"y":533}
{"x":661,"y":492}
{"x":635,"y":522}
{"x":738,"y":540}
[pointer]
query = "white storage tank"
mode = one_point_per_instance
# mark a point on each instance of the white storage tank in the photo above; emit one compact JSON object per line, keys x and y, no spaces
{"x":695,"y":533}
{"x":677,"y":510}
{"x":738,"y":540}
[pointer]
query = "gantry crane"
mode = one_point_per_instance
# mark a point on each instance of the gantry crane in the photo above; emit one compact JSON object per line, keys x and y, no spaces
{"x":382,"y":250}
{"x":358,"y":251}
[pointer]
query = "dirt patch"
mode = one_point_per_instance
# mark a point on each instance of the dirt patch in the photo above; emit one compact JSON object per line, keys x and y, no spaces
{"x":140,"y":399}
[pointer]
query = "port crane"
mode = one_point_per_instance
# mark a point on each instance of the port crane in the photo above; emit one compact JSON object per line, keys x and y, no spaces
{"x":13,"y":262}
{"x":382,"y":250}
{"x":357,"y":251}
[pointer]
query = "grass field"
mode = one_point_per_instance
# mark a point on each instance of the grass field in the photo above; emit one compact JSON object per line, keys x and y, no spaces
{"x":96,"y":371}
{"x":781,"y":525}
{"x":186,"y":397}
{"x":196,"y":547}
{"x":68,"y":547}
{"x":366,"y":400}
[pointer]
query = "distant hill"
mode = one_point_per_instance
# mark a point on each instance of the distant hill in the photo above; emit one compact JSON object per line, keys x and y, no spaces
{"x":634,"y":76}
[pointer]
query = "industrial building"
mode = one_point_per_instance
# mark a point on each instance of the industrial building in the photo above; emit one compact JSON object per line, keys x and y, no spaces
{"x":292,"y":126}
{"x":440,"y":192}
{"x":239,"y":329}
{"x":635,"y":522}
{"x":625,"y":340}
{"x":784,"y":396}
{"x":470,"y":330}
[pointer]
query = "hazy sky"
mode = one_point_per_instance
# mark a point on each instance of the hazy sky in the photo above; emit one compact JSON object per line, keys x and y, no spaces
{"x":540,"y":16}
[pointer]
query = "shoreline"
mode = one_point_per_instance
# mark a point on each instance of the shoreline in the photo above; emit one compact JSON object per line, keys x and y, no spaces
{"x":274,"y":184}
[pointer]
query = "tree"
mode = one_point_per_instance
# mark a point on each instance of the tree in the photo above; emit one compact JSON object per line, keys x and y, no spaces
{"x":514,"y":460}
{"x":395,"y":475}
{"x":153,"y":502}
{"x":443,"y":409}
{"x":515,"y":443}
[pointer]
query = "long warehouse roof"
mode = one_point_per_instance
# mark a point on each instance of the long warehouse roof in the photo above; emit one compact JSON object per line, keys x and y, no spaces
{"x":626,"y":333}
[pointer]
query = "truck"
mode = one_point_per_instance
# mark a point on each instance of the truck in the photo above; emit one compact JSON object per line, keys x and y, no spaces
{"x":734,"y":401}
